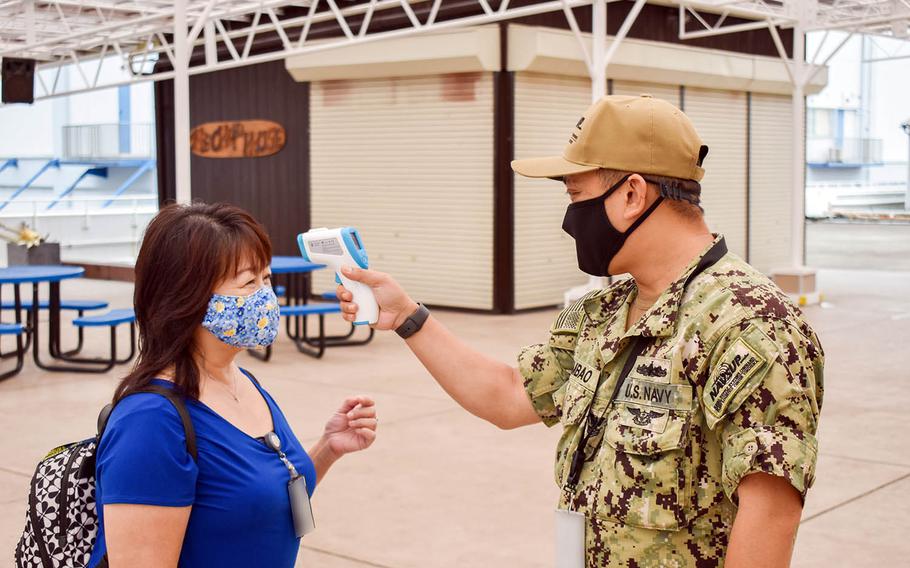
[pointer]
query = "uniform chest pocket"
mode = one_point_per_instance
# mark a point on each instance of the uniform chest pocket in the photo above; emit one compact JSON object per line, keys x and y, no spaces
{"x":648,"y":481}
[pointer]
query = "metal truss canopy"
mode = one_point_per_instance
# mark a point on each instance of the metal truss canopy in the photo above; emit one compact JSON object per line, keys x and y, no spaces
{"x":227,"y":33}
{"x":874,"y":17}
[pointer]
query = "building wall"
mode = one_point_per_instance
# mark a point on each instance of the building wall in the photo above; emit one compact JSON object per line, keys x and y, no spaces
{"x":545,"y":108}
{"x":409,"y":162}
{"x":869,"y":99}
{"x":275,"y":189}
{"x":770,"y":182}
{"x":745,"y":192}
{"x":720,"y":118}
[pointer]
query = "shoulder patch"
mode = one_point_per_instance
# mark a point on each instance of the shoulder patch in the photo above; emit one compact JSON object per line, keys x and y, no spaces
{"x":571,"y":317}
{"x":738,"y":371}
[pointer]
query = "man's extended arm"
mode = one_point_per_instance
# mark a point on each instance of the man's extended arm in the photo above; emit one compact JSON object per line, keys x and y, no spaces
{"x":487,"y":388}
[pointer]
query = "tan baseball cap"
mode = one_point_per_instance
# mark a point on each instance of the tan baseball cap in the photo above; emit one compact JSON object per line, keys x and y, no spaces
{"x":632,"y":134}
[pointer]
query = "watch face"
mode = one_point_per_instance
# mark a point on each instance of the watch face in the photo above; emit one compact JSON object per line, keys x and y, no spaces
{"x":414,"y":322}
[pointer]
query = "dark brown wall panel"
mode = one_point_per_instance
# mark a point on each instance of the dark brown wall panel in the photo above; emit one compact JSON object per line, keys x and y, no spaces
{"x":275,"y":189}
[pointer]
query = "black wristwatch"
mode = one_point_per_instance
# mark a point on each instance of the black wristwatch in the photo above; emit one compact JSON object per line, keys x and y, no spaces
{"x":414,"y":322}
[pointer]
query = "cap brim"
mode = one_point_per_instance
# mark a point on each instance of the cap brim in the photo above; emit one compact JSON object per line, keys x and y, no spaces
{"x":550,"y":167}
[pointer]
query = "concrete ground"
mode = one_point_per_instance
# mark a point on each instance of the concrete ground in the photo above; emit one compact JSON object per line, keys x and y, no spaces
{"x":441,"y":488}
{"x":864,"y":245}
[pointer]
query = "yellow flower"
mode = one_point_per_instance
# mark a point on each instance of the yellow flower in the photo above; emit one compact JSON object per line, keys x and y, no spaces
{"x":230,"y":333}
{"x":270,"y":306}
{"x":262,"y":322}
{"x":219,"y":307}
{"x":240,"y":302}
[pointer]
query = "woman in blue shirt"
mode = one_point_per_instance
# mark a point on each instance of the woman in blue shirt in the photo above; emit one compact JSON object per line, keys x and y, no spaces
{"x":203,"y":295}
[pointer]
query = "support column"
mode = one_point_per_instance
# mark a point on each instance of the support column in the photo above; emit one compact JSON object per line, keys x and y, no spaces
{"x":599,"y":51}
{"x":600,"y":60}
{"x":798,"y":231}
{"x":181,"y":104}
{"x":797,"y":280}
{"x":906,"y":127}
{"x":598,"y":90}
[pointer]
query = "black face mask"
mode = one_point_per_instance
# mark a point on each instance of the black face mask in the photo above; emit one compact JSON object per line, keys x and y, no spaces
{"x":596,"y":239}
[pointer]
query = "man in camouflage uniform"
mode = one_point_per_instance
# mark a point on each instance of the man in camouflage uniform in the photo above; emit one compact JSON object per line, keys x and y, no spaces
{"x":689,"y":394}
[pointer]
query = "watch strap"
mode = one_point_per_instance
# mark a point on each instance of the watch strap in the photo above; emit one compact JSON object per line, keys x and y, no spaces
{"x":414,"y":322}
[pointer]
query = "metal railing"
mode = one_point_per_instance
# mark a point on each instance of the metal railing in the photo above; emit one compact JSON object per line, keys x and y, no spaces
{"x":86,"y":231}
{"x":34,"y":210}
{"x":108,"y":140}
{"x":846,"y":151}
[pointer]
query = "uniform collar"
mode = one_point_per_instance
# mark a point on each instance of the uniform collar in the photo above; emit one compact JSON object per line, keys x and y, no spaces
{"x":610,"y":306}
{"x":659,"y":320}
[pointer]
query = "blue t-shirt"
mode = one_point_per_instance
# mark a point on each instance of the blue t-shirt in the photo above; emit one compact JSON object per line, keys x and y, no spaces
{"x":241,"y":513}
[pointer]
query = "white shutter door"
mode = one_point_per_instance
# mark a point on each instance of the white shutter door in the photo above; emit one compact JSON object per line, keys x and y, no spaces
{"x":771,"y":210}
{"x":720,"y":119}
{"x":546,"y":109}
{"x":669,"y":93}
{"x":409,"y":162}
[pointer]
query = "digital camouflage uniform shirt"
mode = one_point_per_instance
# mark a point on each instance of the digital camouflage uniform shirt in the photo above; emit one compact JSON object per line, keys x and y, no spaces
{"x":729,"y":383}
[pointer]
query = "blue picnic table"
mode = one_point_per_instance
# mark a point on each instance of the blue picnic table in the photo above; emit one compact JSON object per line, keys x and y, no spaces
{"x":36,"y":275}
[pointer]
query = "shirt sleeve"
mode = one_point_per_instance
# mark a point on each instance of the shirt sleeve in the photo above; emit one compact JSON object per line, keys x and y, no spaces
{"x":762,"y":398}
{"x":545,"y":368}
{"x":142,"y":458}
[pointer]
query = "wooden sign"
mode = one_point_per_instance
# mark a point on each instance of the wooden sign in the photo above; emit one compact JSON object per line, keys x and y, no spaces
{"x":237,"y":139}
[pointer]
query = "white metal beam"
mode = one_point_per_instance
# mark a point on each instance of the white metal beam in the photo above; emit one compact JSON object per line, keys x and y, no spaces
{"x":624,"y":30}
{"x":599,"y":50}
{"x":181,"y":104}
{"x":798,"y":131}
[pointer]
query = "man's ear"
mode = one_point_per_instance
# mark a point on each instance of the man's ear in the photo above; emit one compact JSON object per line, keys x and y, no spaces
{"x":636,"y":196}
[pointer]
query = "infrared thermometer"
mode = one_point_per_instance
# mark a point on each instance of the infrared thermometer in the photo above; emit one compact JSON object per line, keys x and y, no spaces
{"x":337,"y":248}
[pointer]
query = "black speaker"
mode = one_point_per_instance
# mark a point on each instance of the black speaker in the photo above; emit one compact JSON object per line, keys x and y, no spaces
{"x":18,"y":80}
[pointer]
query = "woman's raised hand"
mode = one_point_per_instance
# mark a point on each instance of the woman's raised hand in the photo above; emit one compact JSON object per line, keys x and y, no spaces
{"x":353,"y":426}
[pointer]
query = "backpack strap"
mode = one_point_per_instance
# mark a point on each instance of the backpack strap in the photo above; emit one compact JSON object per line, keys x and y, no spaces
{"x":172,"y":397}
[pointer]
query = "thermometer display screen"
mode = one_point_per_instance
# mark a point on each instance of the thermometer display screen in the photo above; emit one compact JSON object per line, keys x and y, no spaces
{"x":326,"y":246}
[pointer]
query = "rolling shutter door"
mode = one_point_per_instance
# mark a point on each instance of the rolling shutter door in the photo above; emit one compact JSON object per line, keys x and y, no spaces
{"x":669,"y":93}
{"x":720,"y":119}
{"x":771,"y":209}
{"x":409,"y":162}
{"x":546,"y":108}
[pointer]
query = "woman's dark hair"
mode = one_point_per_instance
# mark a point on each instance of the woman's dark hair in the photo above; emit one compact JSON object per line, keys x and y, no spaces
{"x":186,"y":252}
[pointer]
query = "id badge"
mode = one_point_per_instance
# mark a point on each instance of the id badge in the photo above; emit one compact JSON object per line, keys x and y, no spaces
{"x":301,"y":509}
{"x":570,"y":539}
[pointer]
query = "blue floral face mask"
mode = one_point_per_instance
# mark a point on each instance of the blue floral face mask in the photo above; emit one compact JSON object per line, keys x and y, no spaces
{"x":244,"y":321}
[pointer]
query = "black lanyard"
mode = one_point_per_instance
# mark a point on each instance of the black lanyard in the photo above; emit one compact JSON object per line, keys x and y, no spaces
{"x":593,"y":423}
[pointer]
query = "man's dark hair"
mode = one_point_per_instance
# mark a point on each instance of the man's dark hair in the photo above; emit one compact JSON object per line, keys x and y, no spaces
{"x":682,"y":195}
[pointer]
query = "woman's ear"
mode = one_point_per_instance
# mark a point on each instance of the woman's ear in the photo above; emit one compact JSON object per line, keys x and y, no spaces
{"x":636,"y":196}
